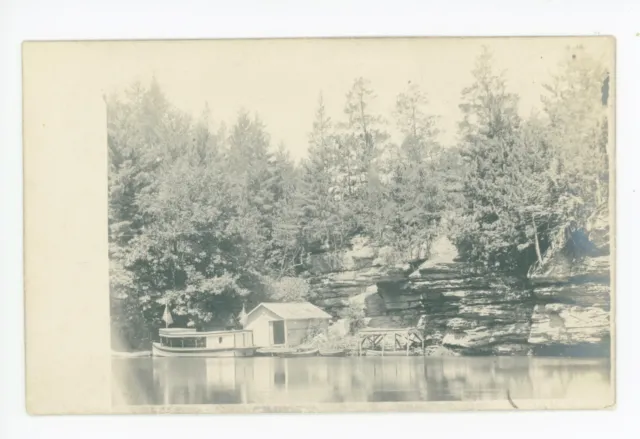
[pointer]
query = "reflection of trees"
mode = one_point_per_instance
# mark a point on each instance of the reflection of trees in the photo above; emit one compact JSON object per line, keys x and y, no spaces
{"x":525,"y":378}
{"x":320,"y":380}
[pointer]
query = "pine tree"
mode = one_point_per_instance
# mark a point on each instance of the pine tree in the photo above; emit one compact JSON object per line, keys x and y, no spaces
{"x":320,"y":199}
{"x":362,"y":140}
{"x":417,"y":127}
{"x":492,"y":229}
{"x":416,"y":193}
{"x":577,"y":104}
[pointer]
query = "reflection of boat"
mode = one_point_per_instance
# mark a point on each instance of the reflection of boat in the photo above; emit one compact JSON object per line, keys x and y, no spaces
{"x":164,"y":351}
{"x":332,"y":352}
{"x":305,"y":353}
{"x":275,"y":352}
{"x":372,"y":353}
{"x":183,"y":342}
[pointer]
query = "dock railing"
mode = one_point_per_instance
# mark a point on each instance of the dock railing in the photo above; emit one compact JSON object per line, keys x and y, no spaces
{"x":403,"y":338}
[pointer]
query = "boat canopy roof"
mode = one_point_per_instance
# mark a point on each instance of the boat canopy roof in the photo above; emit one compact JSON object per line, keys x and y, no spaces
{"x":188,"y":332}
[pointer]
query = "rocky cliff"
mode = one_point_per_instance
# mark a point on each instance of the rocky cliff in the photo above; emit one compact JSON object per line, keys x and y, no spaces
{"x":573,"y":294}
{"x":561,"y":309}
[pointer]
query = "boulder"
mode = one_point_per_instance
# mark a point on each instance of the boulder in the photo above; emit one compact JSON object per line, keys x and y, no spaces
{"x":339,"y":329}
{"x":483,"y":336}
{"x":562,"y":324}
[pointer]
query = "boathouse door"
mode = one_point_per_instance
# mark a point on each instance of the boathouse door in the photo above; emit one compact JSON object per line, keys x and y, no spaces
{"x":278,"y":331}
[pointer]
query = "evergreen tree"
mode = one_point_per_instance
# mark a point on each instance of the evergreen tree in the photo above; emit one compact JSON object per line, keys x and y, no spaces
{"x":417,"y":127}
{"x":577,"y":104}
{"x":321,"y":206}
{"x":416,"y":195}
{"x":497,"y":222}
{"x":362,"y":138}
{"x":362,"y":150}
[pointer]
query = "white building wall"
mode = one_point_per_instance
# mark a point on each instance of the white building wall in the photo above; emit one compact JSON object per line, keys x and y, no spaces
{"x":258,"y":322}
{"x":296,"y":330}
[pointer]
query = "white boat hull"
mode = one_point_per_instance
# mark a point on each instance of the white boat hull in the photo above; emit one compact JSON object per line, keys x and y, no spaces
{"x":163,"y":351}
{"x":142,"y":354}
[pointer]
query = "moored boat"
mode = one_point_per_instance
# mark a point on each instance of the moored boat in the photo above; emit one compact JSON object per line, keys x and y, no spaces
{"x":164,"y":351}
{"x":275,"y":352}
{"x":305,"y":353}
{"x":373,"y":353}
{"x":332,"y":352}
{"x":285,"y":352}
{"x":184,"y":342}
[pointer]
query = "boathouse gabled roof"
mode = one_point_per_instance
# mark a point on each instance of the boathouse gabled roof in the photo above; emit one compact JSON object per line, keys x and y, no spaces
{"x":293,"y":310}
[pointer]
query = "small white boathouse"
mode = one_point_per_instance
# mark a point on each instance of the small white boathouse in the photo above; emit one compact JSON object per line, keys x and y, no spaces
{"x":285,"y":324}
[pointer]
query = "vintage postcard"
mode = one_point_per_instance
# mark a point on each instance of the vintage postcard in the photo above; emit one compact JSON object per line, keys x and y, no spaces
{"x":319,"y":225}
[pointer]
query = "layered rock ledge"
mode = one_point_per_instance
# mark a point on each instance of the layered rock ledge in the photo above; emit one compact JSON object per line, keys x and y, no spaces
{"x":563,"y":308}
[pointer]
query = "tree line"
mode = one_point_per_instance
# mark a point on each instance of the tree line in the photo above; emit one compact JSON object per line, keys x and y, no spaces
{"x":207,"y":217}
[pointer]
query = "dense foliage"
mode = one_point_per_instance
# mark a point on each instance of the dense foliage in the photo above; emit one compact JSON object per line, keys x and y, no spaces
{"x":208,"y":219}
{"x":528,"y":181}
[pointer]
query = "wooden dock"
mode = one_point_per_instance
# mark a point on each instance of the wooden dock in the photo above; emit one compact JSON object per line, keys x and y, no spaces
{"x":403,"y":339}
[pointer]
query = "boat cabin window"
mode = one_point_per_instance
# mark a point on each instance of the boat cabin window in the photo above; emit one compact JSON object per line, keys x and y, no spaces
{"x":220,"y":340}
{"x":187,"y":342}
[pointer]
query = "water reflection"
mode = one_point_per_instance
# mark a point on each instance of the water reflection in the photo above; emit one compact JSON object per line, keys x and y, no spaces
{"x":317,"y":380}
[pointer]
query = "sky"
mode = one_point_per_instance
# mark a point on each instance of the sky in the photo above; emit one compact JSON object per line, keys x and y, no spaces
{"x":281,"y":80}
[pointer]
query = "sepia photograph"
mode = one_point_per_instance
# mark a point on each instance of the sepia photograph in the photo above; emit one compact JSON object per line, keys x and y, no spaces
{"x":339,"y":221}
{"x":320,"y":225}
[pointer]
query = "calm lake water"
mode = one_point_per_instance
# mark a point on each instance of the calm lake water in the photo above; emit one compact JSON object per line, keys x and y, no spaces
{"x":265,"y":380}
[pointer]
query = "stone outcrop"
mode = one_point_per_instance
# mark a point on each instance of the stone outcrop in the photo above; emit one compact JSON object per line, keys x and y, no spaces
{"x":467,"y":312}
{"x":562,"y":309}
{"x":573,"y":310}
{"x":337,"y":278}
